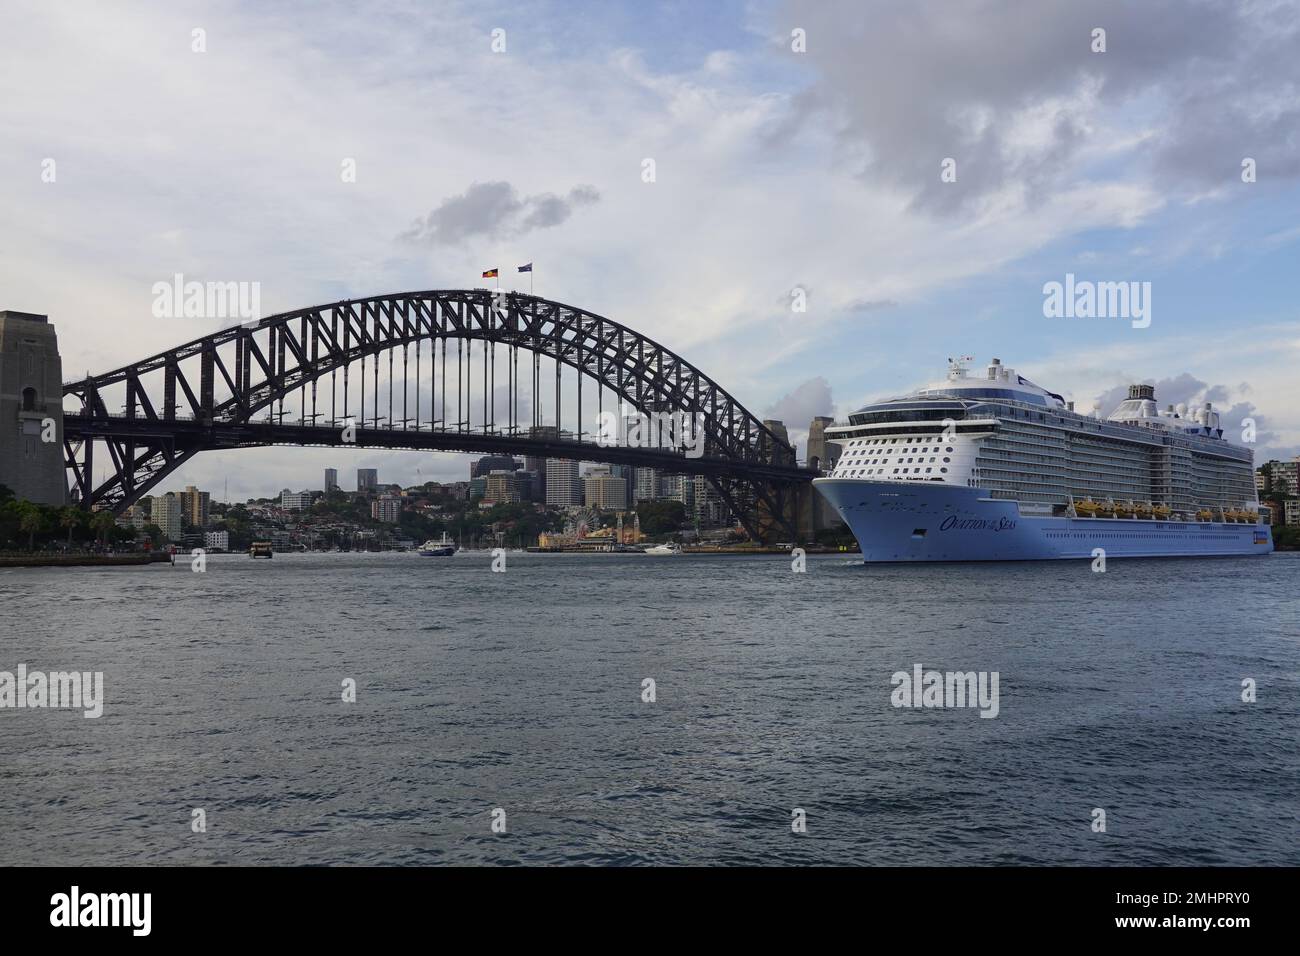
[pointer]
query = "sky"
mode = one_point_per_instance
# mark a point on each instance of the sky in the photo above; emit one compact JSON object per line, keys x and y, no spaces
{"x":914,"y":174}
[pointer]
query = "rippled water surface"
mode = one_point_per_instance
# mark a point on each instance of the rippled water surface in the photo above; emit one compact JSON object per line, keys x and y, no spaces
{"x":522,"y":690}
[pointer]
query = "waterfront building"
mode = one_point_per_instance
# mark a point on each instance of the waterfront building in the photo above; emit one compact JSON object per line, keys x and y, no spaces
{"x":31,"y":409}
{"x":134,"y":517}
{"x":386,"y":508}
{"x":1284,"y":476}
{"x":216,"y":540}
{"x":167,"y":515}
{"x":1291,"y":511}
{"x":295,"y":501}
{"x":367,"y":479}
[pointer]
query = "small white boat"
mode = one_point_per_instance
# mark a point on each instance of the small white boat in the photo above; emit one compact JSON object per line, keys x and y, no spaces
{"x":438,"y":549}
{"x":671,"y":548}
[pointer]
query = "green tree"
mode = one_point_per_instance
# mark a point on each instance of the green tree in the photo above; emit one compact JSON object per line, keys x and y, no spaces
{"x":661,"y":517}
{"x":30,"y":521}
{"x":102,"y":523}
{"x":70,"y":518}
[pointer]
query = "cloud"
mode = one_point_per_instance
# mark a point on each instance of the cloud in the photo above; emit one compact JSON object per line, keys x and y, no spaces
{"x":871,"y":305}
{"x":495,"y":210}
{"x":798,"y":408}
{"x":1015,"y":94}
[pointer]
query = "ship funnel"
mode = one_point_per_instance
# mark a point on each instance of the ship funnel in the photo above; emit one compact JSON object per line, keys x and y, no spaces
{"x":1142,"y":391}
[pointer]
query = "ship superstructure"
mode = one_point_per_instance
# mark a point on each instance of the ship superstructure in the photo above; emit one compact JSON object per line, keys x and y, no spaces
{"x":996,"y":453}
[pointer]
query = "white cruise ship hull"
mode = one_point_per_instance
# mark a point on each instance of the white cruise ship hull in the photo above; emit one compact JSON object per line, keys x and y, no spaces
{"x":937,"y":521}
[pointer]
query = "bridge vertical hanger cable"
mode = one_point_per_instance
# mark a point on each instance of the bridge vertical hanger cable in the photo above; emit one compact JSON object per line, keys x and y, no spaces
{"x":302,"y":389}
{"x":578,"y":356}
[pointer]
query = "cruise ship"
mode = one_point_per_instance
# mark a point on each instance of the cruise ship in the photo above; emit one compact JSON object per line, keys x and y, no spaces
{"x":991,"y":467}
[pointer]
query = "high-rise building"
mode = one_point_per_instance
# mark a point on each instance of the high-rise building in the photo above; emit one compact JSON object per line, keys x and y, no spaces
{"x":1284,"y":476}
{"x":709,"y":506}
{"x":31,"y":409}
{"x":536,"y":464}
{"x":331,"y":480}
{"x":194,"y":506}
{"x":167,"y":515}
{"x":604,"y":491}
{"x":367,"y":479}
{"x":563,"y":488}
{"x":538,"y":467}
{"x":500,"y":487}
{"x":295,"y":501}
{"x":682,"y":488}
{"x":386,"y":508}
{"x":526,"y":483}
{"x":490,"y":463}
{"x":645,"y":485}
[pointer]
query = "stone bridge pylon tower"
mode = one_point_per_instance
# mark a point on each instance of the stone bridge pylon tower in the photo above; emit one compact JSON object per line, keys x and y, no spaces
{"x":31,"y":409}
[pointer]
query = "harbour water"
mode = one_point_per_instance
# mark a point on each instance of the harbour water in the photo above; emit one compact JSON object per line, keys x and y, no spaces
{"x":523,"y":691}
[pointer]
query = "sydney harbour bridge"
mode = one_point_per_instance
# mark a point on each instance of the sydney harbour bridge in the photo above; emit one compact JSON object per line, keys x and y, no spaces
{"x":454,"y":370}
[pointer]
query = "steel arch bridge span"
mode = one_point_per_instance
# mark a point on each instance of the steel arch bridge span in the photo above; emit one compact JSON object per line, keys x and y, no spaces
{"x":239,"y":387}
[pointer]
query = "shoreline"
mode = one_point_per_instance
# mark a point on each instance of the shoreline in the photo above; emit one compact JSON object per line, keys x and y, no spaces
{"x":83,"y":560}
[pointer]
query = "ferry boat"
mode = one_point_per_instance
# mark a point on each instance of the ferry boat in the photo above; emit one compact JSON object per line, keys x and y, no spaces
{"x":995,"y":468}
{"x":260,"y":549}
{"x":438,"y":549}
